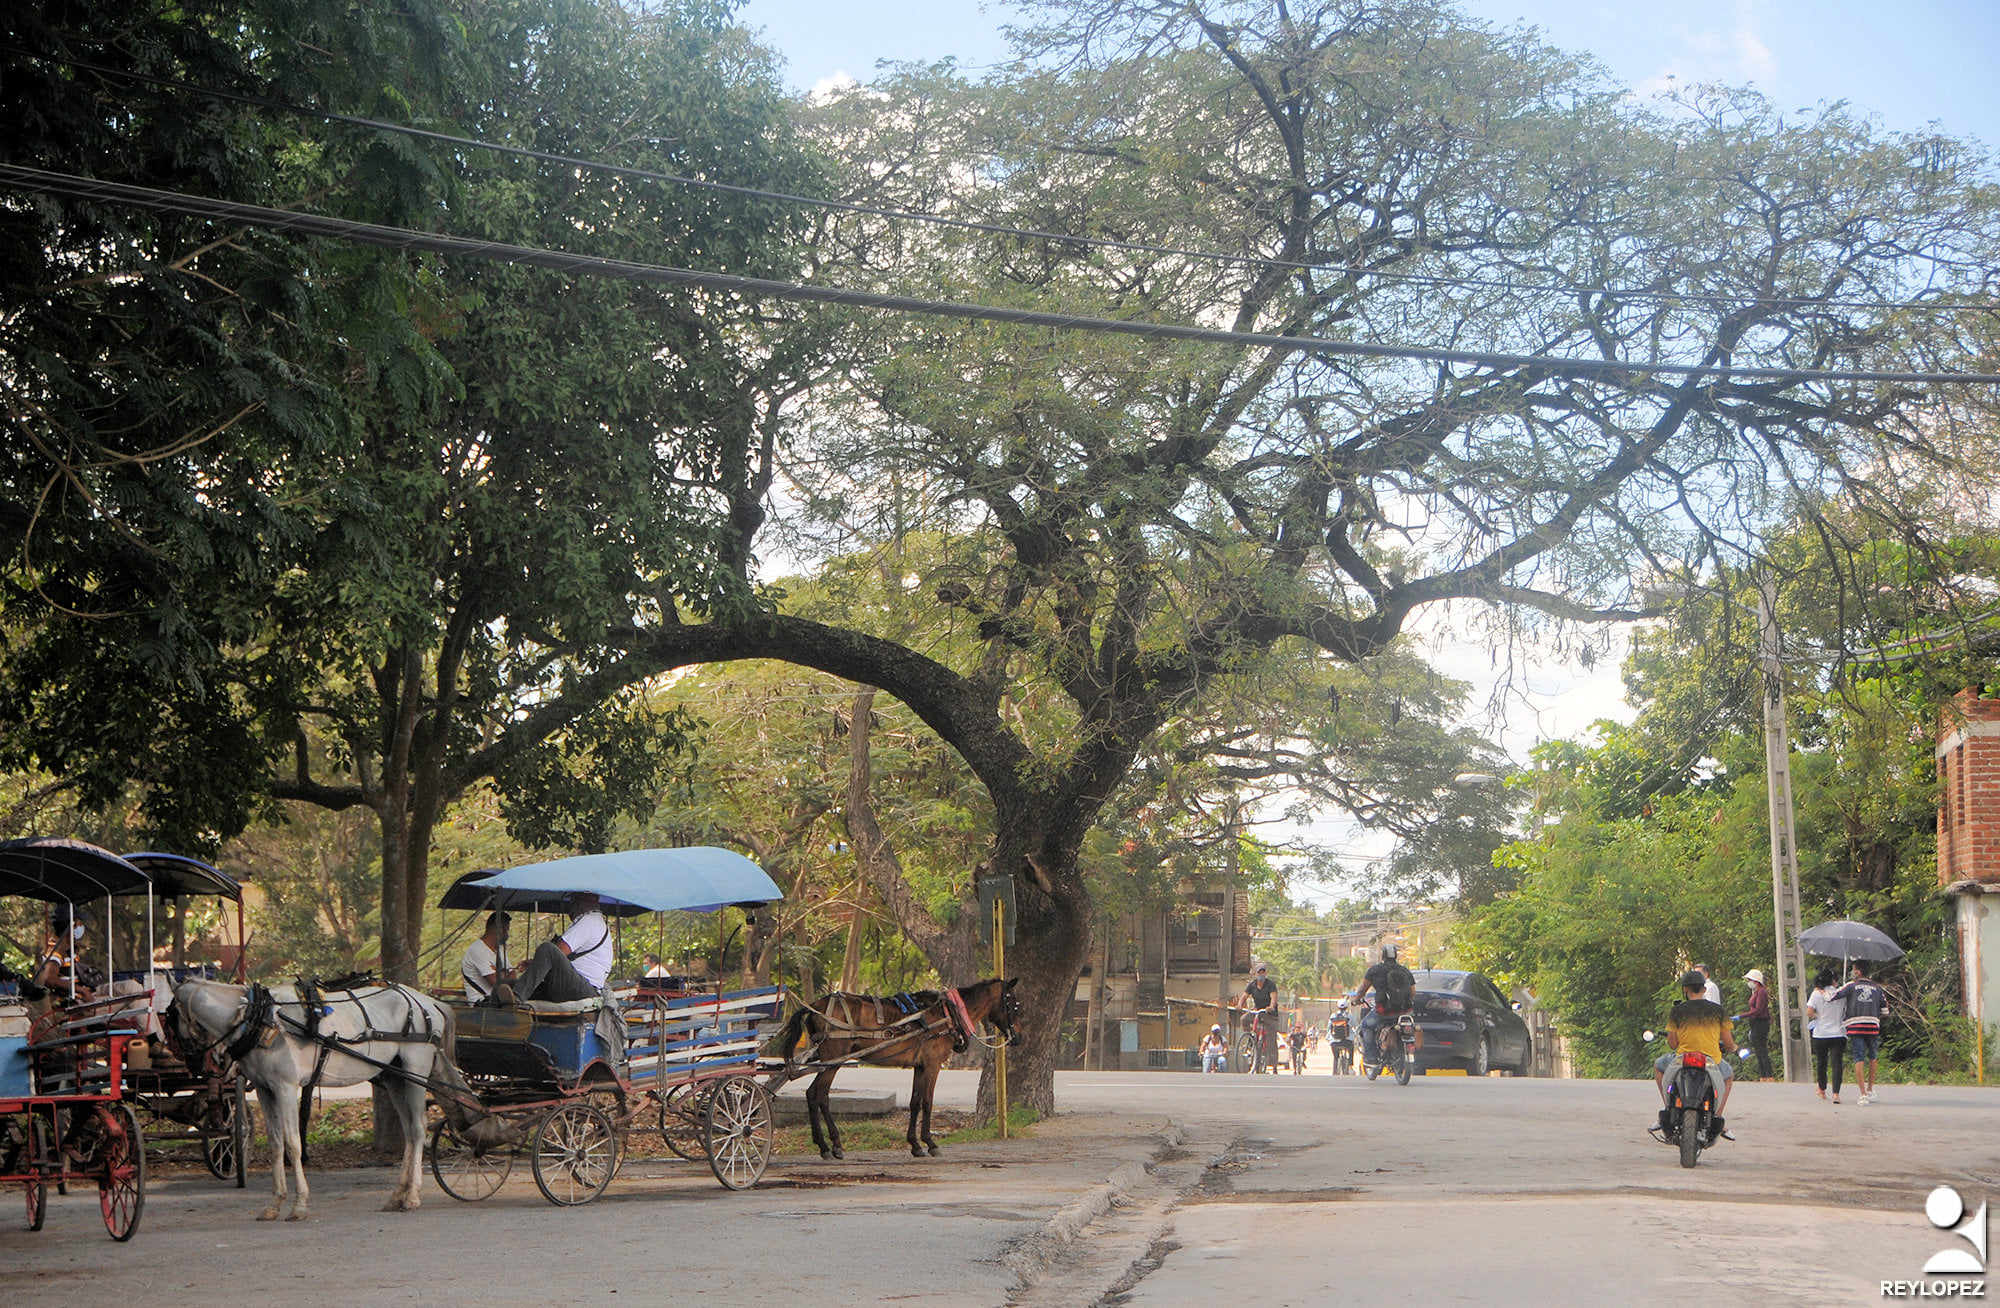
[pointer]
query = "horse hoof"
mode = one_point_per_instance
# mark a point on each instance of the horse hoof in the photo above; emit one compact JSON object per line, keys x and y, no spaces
{"x":840,"y":1153}
{"x":825,"y":1155}
{"x":268,"y":1215}
{"x":933,"y":1148}
{"x":298,"y":1215}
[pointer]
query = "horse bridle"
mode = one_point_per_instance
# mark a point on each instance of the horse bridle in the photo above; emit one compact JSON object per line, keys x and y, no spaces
{"x":243,"y":1034}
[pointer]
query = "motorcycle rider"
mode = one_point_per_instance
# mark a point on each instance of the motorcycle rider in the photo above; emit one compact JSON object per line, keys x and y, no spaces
{"x":1395,"y":992}
{"x":1697,"y":1025}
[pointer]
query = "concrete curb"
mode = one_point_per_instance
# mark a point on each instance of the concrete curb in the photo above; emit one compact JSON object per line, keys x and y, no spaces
{"x":1031,"y":1256}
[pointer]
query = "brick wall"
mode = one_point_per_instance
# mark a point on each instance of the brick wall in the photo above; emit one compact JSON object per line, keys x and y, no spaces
{"x":1968,"y":758}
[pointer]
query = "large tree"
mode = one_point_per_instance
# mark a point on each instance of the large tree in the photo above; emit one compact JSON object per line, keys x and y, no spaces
{"x":446,"y":597}
{"x":1137,"y":522}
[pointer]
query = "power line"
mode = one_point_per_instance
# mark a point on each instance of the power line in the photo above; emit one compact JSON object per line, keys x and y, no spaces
{"x":399,"y":238}
{"x":997,"y":229}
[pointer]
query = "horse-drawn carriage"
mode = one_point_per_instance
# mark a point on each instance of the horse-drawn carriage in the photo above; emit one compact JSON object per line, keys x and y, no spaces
{"x":181,"y":1095}
{"x":63,"y":1082}
{"x":568,"y":1081}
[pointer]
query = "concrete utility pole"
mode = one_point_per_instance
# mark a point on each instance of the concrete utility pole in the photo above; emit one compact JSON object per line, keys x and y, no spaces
{"x":1784,"y":852}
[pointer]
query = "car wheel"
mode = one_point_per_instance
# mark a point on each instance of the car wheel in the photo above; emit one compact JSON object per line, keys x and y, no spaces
{"x":1481,"y":1061}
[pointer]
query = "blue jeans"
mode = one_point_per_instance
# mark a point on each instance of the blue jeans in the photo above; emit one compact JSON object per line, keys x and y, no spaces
{"x":1863,"y":1048}
{"x":1211,"y":1059}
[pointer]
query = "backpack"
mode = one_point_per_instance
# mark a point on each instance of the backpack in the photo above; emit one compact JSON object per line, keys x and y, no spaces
{"x":1399,"y":988}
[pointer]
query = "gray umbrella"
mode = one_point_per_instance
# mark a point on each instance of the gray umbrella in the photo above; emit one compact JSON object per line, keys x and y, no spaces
{"x":1845,"y":940}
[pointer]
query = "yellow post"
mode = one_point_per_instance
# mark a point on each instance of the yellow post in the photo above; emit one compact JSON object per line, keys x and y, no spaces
{"x":1000,"y":970}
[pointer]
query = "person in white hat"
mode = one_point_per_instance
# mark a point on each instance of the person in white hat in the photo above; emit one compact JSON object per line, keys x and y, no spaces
{"x":1757,"y":1020}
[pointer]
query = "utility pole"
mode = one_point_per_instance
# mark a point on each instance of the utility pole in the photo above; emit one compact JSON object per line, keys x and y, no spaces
{"x":1225,"y":948}
{"x":1784,"y":850}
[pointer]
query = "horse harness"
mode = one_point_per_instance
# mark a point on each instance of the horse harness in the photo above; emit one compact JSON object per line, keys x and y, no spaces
{"x":262,"y":1019}
{"x":896,"y":1012}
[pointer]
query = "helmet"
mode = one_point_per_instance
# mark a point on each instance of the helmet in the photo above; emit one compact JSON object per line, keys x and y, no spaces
{"x":1692,"y":979}
{"x":1389,"y":952}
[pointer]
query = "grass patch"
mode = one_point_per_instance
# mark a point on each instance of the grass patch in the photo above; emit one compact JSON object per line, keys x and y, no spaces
{"x":1019,"y":1118}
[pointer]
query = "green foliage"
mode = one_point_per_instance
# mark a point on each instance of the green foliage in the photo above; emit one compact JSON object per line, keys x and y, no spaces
{"x":616,"y":760}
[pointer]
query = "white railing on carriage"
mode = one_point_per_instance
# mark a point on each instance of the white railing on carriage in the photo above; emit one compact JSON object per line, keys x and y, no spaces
{"x":670,"y":1039}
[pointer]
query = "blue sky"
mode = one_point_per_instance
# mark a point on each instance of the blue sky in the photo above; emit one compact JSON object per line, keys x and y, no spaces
{"x":1912,"y":62}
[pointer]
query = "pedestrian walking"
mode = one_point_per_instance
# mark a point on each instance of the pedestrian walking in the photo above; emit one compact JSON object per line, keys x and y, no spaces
{"x":1826,"y":1019}
{"x":1757,"y":1020}
{"x":1865,"y":1001}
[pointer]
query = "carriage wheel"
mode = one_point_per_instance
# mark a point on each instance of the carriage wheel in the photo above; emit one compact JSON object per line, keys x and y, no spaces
{"x":226,"y":1151}
{"x":682,"y":1112}
{"x":38,"y":1203}
{"x":121,"y":1189}
{"x":464,"y":1172}
{"x":737,"y":1132}
{"x":575,"y":1152}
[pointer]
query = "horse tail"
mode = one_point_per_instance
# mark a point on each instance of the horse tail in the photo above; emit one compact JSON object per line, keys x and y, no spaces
{"x":448,"y":1085}
{"x":796,"y":1027}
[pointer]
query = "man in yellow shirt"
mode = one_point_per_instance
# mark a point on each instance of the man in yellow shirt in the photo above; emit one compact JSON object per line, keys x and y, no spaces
{"x":1697,"y":1026}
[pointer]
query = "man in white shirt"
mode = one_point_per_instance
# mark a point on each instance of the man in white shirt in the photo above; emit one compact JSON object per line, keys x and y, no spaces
{"x":1713,"y":994}
{"x":485,"y":963}
{"x":575,"y":964}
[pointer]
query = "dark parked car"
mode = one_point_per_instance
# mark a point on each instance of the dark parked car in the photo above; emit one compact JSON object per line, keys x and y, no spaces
{"x":1467,"y":1022}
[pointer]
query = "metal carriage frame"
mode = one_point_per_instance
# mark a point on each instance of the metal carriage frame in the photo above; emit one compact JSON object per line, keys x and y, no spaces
{"x":568,"y":1092}
{"x":64,"y":1115}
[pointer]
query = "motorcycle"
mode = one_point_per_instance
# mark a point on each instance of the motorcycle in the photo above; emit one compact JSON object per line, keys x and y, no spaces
{"x":1399,"y":1054}
{"x":1690,"y":1120}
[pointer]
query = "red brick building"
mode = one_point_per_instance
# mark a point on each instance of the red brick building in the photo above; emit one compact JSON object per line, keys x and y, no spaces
{"x":1968,"y":761}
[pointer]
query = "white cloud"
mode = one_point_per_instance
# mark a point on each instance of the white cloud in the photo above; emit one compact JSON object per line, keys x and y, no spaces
{"x":827,"y":87}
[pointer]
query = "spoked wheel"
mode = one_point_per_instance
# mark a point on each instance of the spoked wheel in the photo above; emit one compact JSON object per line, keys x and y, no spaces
{"x":467,"y":1173}
{"x":121,"y":1186}
{"x":1246,"y":1053}
{"x":575,"y":1153}
{"x":682,"y":1114}
{"x":227,"y":1150}
{"x":737,"y":1132}
{"x":38,"y":1204}
{"x":1405,"y":1063}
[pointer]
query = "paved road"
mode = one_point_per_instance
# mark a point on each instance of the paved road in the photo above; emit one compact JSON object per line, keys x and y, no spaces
{"x":1525,"y":1191}
{"x":1285,"y":1190}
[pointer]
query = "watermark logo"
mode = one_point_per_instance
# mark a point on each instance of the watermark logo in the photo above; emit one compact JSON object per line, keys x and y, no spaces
{"x":1945,"y":1208}
{"x":1947,"y":1213}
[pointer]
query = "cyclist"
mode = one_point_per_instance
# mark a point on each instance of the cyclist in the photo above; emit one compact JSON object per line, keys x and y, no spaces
{"x":1395,"y":993}
{"x":1340,"y":1036}
{"x":1260,"y":996}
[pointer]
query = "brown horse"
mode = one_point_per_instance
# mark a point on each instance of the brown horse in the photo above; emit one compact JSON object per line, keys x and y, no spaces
{"x":918,"y":1031}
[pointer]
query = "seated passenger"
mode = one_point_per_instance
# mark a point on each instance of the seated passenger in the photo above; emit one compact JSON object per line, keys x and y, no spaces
{"x":572,"y":966}
{"x":485,"y":963}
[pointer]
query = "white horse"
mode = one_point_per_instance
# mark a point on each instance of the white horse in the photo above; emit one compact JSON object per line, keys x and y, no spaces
{"x":377,"y":1031}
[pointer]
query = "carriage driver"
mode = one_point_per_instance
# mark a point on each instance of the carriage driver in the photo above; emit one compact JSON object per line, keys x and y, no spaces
{"x":574,"y":965}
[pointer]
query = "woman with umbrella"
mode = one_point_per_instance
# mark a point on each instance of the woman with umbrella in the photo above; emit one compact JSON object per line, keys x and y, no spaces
{"x":1857,"y":944}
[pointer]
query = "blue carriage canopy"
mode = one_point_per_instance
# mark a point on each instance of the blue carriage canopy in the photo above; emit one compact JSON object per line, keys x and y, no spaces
{"x":66,"y":871}
{"x":698,"y":879}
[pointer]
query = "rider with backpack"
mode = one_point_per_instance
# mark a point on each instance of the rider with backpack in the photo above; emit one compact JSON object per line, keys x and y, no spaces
{"x":1395,"y":992}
